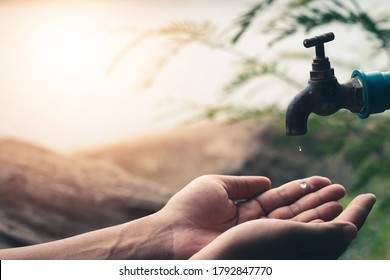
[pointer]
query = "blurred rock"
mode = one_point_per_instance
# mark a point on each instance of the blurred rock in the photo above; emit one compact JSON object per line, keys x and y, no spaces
{"x":45,"y":195}
{"x":173,"y":158}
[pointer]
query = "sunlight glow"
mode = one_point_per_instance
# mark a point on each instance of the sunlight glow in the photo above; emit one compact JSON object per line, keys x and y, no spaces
{"x":65,"y":47}
{"x":54,"y":80}
{"x":68,"y":47}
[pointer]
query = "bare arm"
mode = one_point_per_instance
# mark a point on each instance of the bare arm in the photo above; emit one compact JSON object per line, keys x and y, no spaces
{"x":145,"y":238}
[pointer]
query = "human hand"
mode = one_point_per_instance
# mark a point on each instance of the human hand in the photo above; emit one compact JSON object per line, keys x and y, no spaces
{"x":205,"y":209}
{"x":288,"y":239}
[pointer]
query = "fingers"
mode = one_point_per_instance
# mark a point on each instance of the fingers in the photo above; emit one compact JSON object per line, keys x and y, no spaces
{"x":290,"y":192}
{"x":358,"y":210}
{"x":244,"y":187}
{"x":290,"y":200}
{"x":325,"y":212}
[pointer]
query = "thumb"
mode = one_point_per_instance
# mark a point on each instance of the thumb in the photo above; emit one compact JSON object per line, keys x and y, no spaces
{"x":286,"y":239}
{"x":325,"y":240}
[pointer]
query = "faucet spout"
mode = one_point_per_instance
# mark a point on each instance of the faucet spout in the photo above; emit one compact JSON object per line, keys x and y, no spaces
{"x":323,"y":98}
{"x":298,"y":112}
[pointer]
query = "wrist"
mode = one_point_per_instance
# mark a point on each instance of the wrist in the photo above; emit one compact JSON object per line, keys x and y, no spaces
{"x":221,"y":248}
{"x":213,"y":251}
{"x":149,"y":237}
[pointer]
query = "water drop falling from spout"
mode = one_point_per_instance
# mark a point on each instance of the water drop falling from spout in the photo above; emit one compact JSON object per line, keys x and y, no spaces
{"x":300,"y":148}
{"x":303,"y":185}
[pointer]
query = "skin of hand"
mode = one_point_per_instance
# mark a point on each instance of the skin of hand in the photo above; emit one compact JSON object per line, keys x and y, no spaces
{"x":225,"y":217}
{"x":229,"y":217}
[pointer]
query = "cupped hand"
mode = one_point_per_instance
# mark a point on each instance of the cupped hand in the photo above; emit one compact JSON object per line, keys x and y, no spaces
{"x":288,"y":239}
{"x":226,"y":208}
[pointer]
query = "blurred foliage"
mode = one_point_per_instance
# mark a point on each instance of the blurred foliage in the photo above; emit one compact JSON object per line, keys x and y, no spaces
{"x":306,"y":15}
{"x":178,"y":35}
{"x":276,"y":18}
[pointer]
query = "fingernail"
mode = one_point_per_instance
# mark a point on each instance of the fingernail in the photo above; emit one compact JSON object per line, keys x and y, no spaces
{"x":349,"y":232}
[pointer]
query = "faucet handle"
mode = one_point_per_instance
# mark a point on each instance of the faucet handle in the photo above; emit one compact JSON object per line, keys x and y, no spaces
{"x":321,"y":69}
{"x":318,"y":42}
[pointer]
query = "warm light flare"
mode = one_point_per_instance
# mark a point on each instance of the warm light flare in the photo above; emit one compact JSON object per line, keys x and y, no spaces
{"x":66,"y":47}
{"x":55,"y":86}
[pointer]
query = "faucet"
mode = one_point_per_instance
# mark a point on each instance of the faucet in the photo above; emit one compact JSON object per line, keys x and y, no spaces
{"x":323,"y":95}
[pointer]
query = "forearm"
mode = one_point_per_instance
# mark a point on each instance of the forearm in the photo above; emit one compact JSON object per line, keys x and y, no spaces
{"x":145,"y":238}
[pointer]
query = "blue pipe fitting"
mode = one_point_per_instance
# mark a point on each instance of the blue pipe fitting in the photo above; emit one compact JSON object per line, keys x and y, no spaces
{"x":376,"y":91}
